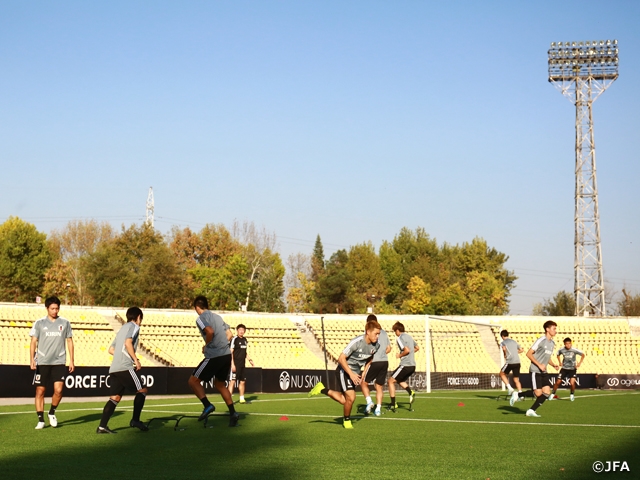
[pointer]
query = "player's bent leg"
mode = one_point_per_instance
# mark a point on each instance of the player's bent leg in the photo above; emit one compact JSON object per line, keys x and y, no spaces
{"x":349,"y":399}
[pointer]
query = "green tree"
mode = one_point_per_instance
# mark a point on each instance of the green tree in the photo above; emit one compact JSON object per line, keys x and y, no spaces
{"x":367,"y":278}
{"x":420,"y":297}
{"x":137,"y":268}
{"x":334,"y":290}
{"x":225,"y":287}
{"x":317,"y":260}
{"x":72,"y":245}
{"x":268,"y":289}
{"x":563,"y":304}
{"x":24,"y":259}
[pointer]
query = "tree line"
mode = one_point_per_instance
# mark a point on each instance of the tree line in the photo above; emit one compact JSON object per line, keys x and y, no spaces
{"x":91,"y":263}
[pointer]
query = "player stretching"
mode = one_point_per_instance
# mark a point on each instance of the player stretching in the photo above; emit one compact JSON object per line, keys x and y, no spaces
{"x":217,"y":359}
{"x":354,"y":357}
{"x":407,"y":364}
{"x":377,"y":371}
{"x":239,"y":356}
{"x":510,"y":350}
{"x":123,"y":372}
{"x":569,"y":367}
{"x":540,"y":356}
{"x":48,"y":358}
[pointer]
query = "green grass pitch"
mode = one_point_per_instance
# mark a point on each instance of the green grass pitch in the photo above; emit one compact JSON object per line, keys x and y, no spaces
{"x":451,"y":434}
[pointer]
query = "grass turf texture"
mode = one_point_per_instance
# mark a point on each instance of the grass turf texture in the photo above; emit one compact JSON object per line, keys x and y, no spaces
{"x":485,"y":438}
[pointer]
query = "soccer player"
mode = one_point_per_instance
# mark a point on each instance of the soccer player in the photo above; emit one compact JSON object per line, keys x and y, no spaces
{"x":123,"y":374}
{"x":358,"y":354}
{"x":510,"y":350}
{"x":49,"y":356}
{"x":407,"y":366}
{"x":217,"y":359}
{"x":377,"y":371}
{"x":569,"y":367}
{"x":540,"y":356}
{"x":239,"y":356}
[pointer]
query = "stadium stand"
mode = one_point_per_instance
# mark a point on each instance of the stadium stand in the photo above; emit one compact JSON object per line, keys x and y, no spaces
{"x":456,"y":347}
{"x":607,"y":342}
{"x":92,"y":334}
{"x":274,"y":340}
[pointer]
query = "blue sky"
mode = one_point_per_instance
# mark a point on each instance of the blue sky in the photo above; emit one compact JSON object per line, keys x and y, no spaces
{"x":344,"y":119}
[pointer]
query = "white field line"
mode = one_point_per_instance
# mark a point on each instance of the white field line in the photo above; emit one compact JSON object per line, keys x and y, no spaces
{"x":430,"y":420}
{"x":297,"y":400}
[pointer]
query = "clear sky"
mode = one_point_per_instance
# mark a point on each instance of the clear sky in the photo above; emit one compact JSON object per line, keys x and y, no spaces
{"x":344,"y":119}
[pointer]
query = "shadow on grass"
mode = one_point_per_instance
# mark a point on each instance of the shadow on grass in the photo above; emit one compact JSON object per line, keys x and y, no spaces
{"x":161,"y":453}
{"x":90,"y":418}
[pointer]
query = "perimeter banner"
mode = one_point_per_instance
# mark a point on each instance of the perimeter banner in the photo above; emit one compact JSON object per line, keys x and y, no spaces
{"x":626,"y":382}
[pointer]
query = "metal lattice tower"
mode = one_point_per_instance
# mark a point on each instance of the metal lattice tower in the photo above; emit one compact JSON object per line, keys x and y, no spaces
{"x":582,"y":71}
{"x":150,"y":207}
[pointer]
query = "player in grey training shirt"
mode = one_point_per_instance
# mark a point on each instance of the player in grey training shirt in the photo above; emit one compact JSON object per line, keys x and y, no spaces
{"x":511,"y":351}
{"x":217,"y":359}
{"x":407,"y":348}
{"x":50,"y":339}
{"x":540,"y":356}
{"x":377,"y":372}
{"x":123,"y":373}
{"x":569,"y":367}
{"x":356,"y":356}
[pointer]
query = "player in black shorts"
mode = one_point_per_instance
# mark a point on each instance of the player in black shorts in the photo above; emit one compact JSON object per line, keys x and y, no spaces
{"x":239,"y":356}
{"x":377,"y":372}
{"x":123,"y":374}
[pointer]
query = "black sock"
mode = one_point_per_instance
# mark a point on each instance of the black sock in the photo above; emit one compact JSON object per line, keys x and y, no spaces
{"x":347,"y":418}
{"x":40,"y":416}
{"x":205,"y":401}
{"x":393,"y":400}
{"x":539,"y":401}
{"x":324,"y":391}
{"x":554,"y":391}
{"x":107,"y":411}
{"x":573,"y":390}
{"x":138,"y":403}
{"x":528,"y":393}
{"x":408,"y":389}
{"x":231,"y":408}
{"x":52,"y":410}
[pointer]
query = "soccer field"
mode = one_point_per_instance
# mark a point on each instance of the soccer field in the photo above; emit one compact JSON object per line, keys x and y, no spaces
{"x":450,"y":434}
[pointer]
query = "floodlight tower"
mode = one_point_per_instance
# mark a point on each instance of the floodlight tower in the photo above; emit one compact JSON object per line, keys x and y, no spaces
{"x":582,"y":71}
{"x":150,"y":207}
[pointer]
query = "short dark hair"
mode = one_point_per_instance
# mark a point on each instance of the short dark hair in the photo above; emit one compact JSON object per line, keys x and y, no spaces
{"x":241,"y":326}
{"x":398,"y":326}
{"x":133,"y":313}
{"x":566,"y":340}
{"x":549,"y":324}
{"x":201,"y":302}
{"x":51,"y":300}
{"x":372,"y":317}
{"x":372,"y":325}
{"x":504,"y":333}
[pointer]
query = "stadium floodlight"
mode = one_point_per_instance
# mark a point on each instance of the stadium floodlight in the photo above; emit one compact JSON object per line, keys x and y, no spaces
{"x":582,"y":72}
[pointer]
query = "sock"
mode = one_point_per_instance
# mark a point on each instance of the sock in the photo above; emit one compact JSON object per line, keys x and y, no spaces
{"x":138,"y":403}
{"x":554,"y":391}
{"x":393,"y":400}
{"x":40,"y":416}
{"x":539,"y":401}
{"x":231,"y":408}
{"x":205,"y":401}
{"x":241,"y":397}
{"x":520,"y":391}
{"x":108,"y":410}
{"x":324,"y":391}
{"x":378,"y":406}
{"x":408,"y":389}
{"x":369,"y":401}
{"x":573,"y":390}
{"x":52,"y":410}
{"x":347,"y":418}
{"x":528,"y":393}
